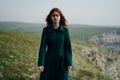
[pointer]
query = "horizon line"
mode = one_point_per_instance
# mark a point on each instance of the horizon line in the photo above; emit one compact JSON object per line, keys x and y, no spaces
{"x":68,"y":24}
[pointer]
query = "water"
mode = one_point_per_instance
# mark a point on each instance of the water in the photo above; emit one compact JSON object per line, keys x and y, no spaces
{"x":115,"y":46}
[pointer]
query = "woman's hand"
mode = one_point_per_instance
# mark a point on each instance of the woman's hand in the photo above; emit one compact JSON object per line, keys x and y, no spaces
{"x":69,"y":67}
{"x":41,"y":68}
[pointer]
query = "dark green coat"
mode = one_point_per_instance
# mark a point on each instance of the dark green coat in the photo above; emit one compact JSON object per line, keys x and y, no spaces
{"x":55,"y":53}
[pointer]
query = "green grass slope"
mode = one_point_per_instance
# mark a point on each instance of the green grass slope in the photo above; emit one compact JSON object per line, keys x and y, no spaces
{"x":18,"y":55}
{"x":19,"y":52}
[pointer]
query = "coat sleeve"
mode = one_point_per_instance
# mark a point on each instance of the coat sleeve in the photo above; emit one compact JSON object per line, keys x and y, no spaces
{"x":42,"y":49}
{"x":68,"y":49}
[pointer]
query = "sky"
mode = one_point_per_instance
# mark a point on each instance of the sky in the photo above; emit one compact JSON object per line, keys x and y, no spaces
{"x":93,"y":12}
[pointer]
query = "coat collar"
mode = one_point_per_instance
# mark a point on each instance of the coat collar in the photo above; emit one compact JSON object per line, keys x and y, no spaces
{"x":51,"y":28}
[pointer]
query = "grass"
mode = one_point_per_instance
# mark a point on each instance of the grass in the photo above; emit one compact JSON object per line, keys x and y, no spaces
{"x":18,"y":55}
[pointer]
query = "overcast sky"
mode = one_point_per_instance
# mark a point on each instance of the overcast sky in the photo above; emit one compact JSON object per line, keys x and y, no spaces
{"x":94,"y":12}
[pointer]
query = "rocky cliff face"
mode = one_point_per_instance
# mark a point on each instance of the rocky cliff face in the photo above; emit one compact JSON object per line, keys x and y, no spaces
{"x":102,"y":58}
{"x":108,"y":38}
{"x":107,"y":61}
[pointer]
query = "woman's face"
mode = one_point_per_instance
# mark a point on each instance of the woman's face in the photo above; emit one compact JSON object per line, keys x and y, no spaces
{"x":55,"y":17}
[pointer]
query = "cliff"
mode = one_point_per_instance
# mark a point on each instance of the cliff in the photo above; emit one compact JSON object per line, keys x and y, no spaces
{"x":107,"y":38}
{"x":100,"y":60}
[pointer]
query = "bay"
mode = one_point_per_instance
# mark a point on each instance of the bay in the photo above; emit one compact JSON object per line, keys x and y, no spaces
{"x":115,"y":46}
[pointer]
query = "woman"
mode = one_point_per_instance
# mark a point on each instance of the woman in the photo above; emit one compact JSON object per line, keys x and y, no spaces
{"x":55,"y":53}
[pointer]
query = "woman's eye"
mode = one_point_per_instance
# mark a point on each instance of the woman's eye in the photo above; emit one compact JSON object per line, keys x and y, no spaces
{"x":55,"y":15}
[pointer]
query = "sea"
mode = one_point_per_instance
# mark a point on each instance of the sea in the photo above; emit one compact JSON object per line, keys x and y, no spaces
{"x":115,"y":46}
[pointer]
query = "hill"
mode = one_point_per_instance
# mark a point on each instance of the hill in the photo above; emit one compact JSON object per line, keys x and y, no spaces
{"x":32,"y":28}
{"x":19,"y":51}
{"x":79,"y":31}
